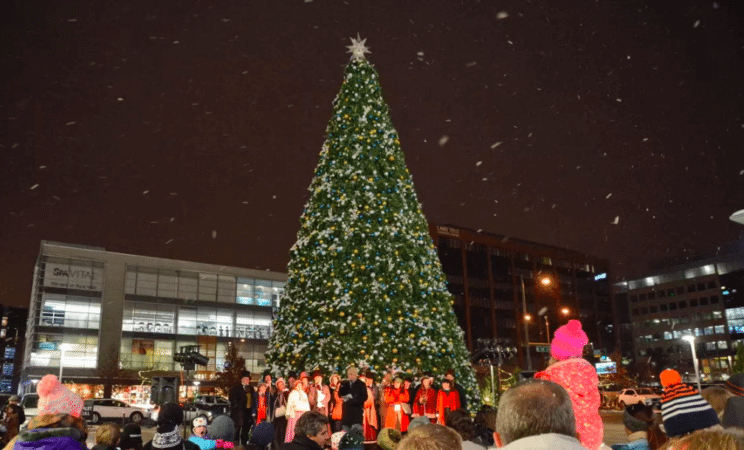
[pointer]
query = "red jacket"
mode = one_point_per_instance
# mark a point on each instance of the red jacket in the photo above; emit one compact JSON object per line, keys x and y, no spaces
{"x":429,"y":407}
{"x":579,"y":378}
{"x":447,"y":400}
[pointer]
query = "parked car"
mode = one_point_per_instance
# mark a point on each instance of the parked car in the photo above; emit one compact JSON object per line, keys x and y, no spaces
{"x":30,"y":404}
{"x":107,"y":408}
{"x":632,"y":396}
{"x":208,"y":406}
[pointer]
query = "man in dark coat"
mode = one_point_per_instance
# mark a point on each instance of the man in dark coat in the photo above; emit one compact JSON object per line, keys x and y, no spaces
{"x":239,"y":410}
{"x":354,"y":393}
{"x":311,"y":433}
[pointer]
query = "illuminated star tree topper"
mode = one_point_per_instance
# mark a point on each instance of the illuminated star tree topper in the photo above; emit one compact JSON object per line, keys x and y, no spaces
{"x":357,"y":47}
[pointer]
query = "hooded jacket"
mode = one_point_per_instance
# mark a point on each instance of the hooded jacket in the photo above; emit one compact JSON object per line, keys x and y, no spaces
{"x":51,"y":432}
{"x":579,"y":378}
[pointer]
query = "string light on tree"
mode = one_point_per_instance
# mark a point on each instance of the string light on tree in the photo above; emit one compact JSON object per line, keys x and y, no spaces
{"x":365,"y":285}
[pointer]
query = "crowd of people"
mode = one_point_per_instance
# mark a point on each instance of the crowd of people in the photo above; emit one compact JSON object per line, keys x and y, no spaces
{"x":357,"y":399}
{"x":557,"y":410}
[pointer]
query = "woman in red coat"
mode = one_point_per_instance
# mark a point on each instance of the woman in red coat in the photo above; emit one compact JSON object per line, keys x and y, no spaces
{"x":425,"y":403}
{"x":448,"y":400}
{"x":395,"y":397}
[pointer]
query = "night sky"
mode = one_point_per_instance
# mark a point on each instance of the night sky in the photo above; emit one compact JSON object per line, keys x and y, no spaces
{"x":191,"y":129}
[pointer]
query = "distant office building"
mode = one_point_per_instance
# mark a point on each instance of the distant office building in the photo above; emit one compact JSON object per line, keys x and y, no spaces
{"x":486,"y":273}
{"x":704,"y":299}
{"x":91,"y":308}
{"x":12,"y":332}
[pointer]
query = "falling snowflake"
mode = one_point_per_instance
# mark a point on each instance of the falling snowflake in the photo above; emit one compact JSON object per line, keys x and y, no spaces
{"x":696,"y":24}
{"x":609,"y":195}
{"x":495,"y":145}
{"x":617,"y":220}
{"x":120,"y":99}
{"x":471,"y":64}
{"x":481,"y":162}
{"x":443,"y":140}
{"x":502,"y":15}
{"x":214,"y":234}
{"x":169,"y":241}
{"x":70,"y":123}
{"x":34,"y":187}
{"x":145,"y":192}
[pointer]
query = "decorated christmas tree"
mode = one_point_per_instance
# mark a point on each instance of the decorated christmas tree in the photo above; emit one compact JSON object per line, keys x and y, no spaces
{"x":365,"y":283}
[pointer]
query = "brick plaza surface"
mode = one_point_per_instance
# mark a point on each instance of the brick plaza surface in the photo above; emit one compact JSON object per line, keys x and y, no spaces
{"x":614,"y":431}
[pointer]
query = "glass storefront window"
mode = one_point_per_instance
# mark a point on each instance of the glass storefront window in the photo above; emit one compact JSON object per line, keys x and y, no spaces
{"x":46,"y":352}
{"x":148,"y":317}
{"x":252,"y":325}
{"x":207,"y":287}
{"x":187,"y":321}
{"x":244,"y":293}
{"x":70,"y":311}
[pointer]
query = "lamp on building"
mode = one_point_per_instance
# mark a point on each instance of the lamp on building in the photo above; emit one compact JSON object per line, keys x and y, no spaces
{"x":62,"y":349}
{"x":196,"y":385}
{"x":691,"y":340}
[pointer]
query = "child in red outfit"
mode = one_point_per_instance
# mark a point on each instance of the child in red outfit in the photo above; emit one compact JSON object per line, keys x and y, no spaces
{"x":577,"y":376}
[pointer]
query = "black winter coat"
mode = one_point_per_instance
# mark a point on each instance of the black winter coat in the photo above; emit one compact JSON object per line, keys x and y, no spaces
{"x":353,"y":408}
{"x":238,"y":401}
{"x":301,"y":443}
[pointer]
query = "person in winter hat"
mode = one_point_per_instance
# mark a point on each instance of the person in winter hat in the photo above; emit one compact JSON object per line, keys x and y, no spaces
{"x":261,"y":437}
{"x":58,"y":425}
{"x":682,"y":407}
{"x":131,"y":437}
{"x":353,"y":439}
{"x":389,"y":438}
{"x":199,"y":434}
{"x":222,"y":432}
{"x":168,"y":433}
{"x":577,"y":376}
{"x":642,"y":429}
{"x":733,"y":413}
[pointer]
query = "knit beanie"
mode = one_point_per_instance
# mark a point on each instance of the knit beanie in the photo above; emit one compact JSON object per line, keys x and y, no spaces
{"x":131,"y":436}
{"x":388,"y":438}
{"x":352,"y":440}
{"x":568,"y":341}
{"x":199,"y":421}
{"x":169,"y":417}
{"x":682,"y":408}
{"x":263,"y":434}
{"x":222,"y":428}
{"x":669,"y":377}
{"x":735,"y":384}
{"x":55,"y":398}
{"x":418,"y":421}
{"x":638,"y":417}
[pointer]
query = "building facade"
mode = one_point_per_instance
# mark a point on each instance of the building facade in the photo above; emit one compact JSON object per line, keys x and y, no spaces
{"x":496,"y":280}
{"x":12,"y":333}
{"x":703,"y":299}
{"x":92,"y":309}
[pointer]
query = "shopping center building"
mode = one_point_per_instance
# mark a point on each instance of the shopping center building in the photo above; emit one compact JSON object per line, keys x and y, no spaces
{"x":92,"y":309}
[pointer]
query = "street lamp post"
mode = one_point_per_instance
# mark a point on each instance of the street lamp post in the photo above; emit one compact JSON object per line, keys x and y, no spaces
{"x":691,"y":340}
{"x":525,"y":320}
{"x":62,"y":349}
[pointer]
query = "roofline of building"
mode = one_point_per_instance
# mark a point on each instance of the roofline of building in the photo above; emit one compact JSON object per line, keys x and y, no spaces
{"x":512,"y":243}
{"x":90,"y":252}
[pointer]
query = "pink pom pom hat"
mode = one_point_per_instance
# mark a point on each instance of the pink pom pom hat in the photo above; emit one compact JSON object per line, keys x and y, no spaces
{"x":569,"y":341}
{"x":55,"y":398}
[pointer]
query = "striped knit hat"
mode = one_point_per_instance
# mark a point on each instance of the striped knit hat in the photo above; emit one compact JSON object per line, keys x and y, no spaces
{"x":682,"y":407}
